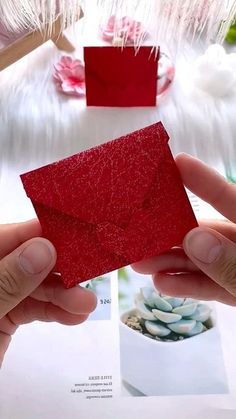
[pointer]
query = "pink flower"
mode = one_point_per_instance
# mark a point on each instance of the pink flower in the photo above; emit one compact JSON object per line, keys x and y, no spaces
{"x":124,"y":30}
{"x":69,"y":77}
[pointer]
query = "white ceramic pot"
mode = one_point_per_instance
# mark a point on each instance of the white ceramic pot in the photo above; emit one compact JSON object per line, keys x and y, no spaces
{"x":191,"y":366}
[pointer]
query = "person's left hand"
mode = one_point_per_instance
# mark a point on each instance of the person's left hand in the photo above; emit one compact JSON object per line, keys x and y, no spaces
{"x":49,"y":301}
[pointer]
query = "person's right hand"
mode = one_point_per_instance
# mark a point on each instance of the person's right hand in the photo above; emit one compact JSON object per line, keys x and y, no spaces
{"x":25,"y":295}
{"x":205,"y":267}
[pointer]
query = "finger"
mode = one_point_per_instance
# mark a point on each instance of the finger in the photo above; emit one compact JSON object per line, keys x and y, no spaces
{"x":214,"y":254}
{"x":75,"y":300}
{"x":4,"y":343}
{"x":197,"y":286}
{"x":31,"y":310}
{"x":173,"y":261}
{"x":13,"y":235}
{"x":224,"y":227}
{"x":176,"y":259}
{"x":23,"y":270}
{"x":7,"y":326}
{"x":208,"y":184}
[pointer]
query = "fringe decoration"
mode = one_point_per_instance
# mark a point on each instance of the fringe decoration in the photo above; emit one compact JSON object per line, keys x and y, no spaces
{"x":36,"y":14}
{"x":171,"y":20}
{"x":174,"y":20}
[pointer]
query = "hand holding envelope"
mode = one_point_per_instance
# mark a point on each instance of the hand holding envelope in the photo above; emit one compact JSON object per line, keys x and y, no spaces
{"x":112,"y":205}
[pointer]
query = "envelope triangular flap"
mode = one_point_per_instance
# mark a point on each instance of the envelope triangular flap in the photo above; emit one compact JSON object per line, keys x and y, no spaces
{"x":107,"y":183}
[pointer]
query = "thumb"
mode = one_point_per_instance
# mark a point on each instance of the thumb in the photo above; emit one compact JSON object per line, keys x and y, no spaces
{"x":214,"y":254}
{"x":22,"y":271}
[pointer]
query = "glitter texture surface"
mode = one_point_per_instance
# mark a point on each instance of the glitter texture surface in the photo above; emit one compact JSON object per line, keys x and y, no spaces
{"x":112,"y":205}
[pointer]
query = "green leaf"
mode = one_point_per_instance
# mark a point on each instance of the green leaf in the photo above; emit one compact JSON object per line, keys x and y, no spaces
{"x":231,"y":36}
{"x":123,"y":275}
{"x":121,"y":296}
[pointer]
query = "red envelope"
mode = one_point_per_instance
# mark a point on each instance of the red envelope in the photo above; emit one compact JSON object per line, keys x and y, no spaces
{"x":121,"y":77}
{"x":112,"y":205}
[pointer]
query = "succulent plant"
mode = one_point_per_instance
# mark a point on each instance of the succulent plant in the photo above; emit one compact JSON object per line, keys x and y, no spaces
{"x":168,"y":318}
{"x":92,"y":284}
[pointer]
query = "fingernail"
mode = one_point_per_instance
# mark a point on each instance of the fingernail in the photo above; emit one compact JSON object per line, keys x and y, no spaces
{"x":36,"y":257}
{"x":203,"y":246}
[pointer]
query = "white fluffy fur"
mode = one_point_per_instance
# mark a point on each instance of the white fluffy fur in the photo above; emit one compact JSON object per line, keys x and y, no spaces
{"x":38,"y":125}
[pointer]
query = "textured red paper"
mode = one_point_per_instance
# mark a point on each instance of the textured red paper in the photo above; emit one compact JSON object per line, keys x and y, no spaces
{"x":112,"y":205}
{"x":121,"y":77}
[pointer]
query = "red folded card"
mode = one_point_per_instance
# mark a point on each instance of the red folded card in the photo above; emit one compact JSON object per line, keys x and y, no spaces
{"x":112,"y":205}
{"x":121,"y":77}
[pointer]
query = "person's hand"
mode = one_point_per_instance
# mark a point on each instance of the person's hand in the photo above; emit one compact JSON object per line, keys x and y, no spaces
{"x":25,"y":261}
{"x":205,"y":268}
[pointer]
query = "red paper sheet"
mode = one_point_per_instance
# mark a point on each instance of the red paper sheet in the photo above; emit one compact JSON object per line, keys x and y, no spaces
{"x":122,"y":77}
{"x":112,"y":205}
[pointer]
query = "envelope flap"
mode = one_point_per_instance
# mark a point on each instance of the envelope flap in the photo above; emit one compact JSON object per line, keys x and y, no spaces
{"x":107,"y":183}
